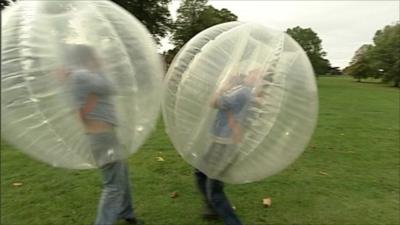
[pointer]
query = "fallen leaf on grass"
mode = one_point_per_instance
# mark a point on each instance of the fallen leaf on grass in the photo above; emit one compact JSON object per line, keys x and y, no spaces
{"x":17,"y":184}
{"x":160,"y":159}
{"x":323,"y":173}
{"x":267,"y":202}
{"x":173,"y":194}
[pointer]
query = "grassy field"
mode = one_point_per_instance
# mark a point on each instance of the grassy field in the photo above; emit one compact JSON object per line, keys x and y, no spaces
{"x":348,"y":175}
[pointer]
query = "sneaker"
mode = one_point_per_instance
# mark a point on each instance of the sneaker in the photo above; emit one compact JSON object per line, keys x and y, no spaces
{"x":134,"y":221}
{"x":210,"y":216}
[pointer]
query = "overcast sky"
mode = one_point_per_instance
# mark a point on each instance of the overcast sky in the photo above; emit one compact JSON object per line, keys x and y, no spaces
{"x":343,"y":26}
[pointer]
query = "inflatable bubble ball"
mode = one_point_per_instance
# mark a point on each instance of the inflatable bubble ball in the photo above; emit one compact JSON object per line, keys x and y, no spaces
{"x":81,"y":82}
{"x":240,"y":102}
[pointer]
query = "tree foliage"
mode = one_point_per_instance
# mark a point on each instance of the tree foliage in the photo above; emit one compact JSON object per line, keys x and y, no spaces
{"x":360,"y":65}
{"x":380,"y":60}
{"x":311,"y":44}
{"x":335,"y":71}
{"x":385,"y":54}
{"x":194,"y":16}
{"x":154,"y":14}
{"x":185,"y":25}
{"x":4,"y":3}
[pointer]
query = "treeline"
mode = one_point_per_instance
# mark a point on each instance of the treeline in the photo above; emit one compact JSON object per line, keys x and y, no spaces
{"x":194,"y":16}
{"x":380,"y":59}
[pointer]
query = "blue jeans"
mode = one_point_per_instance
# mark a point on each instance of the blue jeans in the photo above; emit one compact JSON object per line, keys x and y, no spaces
{"x":115,"y":201}
{"x":215,"y":199}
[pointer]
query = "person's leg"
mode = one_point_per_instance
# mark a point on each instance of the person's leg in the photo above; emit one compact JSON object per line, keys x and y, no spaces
{"x":201,"y":181}
{"x":126,"y":209}
{"x":115,"y":201}
{"x":112,"y":194}
{"x":220,"y":203}
{"x":218,"y":158}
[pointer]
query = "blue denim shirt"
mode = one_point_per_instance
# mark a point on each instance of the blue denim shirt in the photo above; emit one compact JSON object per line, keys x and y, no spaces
{"x":233,"y":101}
{"x":84,"y":82}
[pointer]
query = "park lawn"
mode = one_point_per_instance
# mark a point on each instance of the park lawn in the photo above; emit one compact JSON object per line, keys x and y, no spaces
{"x":348,"y":175}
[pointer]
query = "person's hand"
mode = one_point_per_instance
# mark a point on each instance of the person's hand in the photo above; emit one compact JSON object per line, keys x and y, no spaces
{"x":236,"y":134}
{"x":235,"y":127}
{"x":61,"y":73}
{"x":225,"y":87}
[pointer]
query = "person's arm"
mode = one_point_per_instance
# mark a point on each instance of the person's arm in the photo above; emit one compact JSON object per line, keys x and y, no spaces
{"x":235,"y":127}
{"x":84,"y":94}
{"x":219,"y":94}
{"x":88,"y":106}
{"x":214,"y":99}
{"x":259,"y":96}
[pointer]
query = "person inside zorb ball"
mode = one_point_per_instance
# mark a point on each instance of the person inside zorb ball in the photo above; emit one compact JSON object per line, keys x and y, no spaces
{"x":66,"y":64}
{"x":77,"y":78}
{"x":240,"y":102}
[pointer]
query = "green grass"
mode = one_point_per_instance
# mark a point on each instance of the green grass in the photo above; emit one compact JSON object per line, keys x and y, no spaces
{"x":356,"y":144}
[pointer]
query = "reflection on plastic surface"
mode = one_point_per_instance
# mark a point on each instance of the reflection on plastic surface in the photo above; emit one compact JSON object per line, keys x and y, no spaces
{"x":55,"y":54}
{"x":240,"y":102}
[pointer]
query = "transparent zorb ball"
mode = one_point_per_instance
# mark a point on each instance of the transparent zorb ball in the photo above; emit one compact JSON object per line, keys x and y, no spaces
{"x":240,"y":102}
{"x":40,"y":58}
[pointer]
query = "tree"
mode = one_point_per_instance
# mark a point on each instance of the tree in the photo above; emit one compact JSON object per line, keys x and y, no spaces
{"x":4,"y":3}
{"x":360,"y":65}
{"x":311,"y":44}
{"x":385,"y":54}
{"x":361,"y":51}
{"x":335,"y":71}
{"x":154,"y":14}
{"x":169,"y":56}
{"x":184,"y":26}
{"x":194,"y":16}
{"x":361,"y":68}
